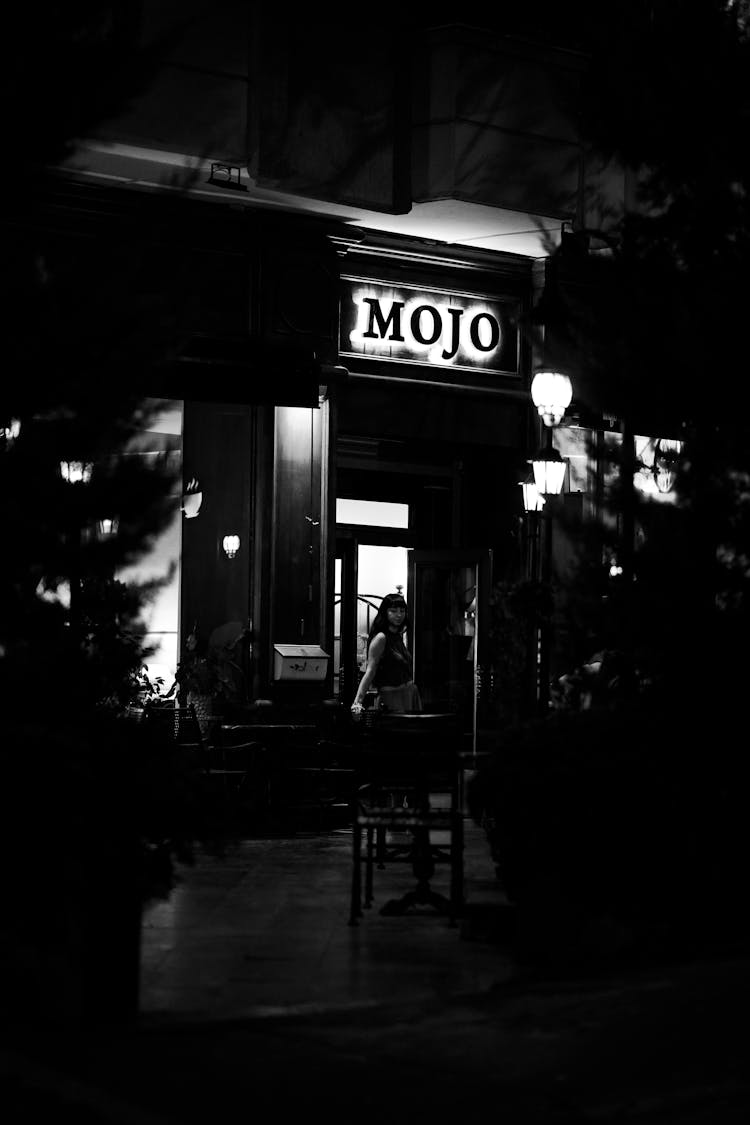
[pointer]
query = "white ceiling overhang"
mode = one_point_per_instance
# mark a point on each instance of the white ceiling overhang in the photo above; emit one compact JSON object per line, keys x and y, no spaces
{"x":452,"y":222}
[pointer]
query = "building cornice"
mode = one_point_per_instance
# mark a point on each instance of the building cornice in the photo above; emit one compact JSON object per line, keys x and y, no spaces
{"x":411,"y":252}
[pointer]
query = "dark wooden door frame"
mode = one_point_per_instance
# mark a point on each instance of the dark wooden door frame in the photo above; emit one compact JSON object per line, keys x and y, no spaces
{"x":346,"y":550}
{"x":481,"y":559}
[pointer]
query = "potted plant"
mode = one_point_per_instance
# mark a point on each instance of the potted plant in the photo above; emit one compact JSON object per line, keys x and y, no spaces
{"x":149,"y":690}
{"x":100,"y":814}
{"x":602,"y":821}
{"x":211,"y":675}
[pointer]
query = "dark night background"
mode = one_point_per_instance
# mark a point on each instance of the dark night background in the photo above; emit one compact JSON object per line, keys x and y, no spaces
{"x":620,"y":833}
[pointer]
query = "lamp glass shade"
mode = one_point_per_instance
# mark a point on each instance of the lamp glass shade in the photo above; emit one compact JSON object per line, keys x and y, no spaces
{"x":107,"y":527}
{"x":191,"y":504}
{"x":549,"y":473}
{"x":551,"y":393}
{"x":533,"y":501}
{"x":76,"y":472}
{"x":231,"y":545}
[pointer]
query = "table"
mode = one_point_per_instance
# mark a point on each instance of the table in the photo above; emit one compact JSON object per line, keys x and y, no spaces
{"x":293,"y":766}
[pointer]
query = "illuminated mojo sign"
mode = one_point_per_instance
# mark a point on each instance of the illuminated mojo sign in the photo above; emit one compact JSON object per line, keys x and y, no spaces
{"x":430,"y":326}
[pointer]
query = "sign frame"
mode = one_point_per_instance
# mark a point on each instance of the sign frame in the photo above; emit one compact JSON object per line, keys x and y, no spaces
{"x":382,"y":321}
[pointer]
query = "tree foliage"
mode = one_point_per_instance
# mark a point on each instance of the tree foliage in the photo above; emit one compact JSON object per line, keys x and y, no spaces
{"x":650,"y":313}
{"x":82,"y":330}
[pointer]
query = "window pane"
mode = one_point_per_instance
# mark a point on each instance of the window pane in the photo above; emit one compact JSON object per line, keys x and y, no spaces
{"x":372,"y":513}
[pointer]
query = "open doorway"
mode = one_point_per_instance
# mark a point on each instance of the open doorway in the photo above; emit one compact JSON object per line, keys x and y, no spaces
{"x":380,"y":571}
{"x":372,"y":560}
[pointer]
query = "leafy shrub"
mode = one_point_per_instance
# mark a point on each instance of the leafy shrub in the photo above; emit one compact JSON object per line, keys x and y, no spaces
{"x":632,"y":813}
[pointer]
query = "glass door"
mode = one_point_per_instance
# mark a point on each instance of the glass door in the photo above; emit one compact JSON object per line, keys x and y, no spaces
{"x":449,"y":596}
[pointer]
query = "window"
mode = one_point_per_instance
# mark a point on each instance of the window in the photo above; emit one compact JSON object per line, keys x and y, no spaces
{"x":372,"y":513}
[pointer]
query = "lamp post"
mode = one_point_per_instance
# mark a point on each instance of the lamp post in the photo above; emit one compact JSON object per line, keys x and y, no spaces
{"x":551,"y":393}
{"x":533,"y":504}
{"x":77,"y":475}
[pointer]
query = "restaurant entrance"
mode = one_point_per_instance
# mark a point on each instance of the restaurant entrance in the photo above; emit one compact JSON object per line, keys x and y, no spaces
{"x":364,"y":573}
{"x":447,"y":593}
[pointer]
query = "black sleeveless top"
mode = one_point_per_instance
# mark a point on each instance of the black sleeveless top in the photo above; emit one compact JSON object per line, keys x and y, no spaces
{"x":394,"y":668}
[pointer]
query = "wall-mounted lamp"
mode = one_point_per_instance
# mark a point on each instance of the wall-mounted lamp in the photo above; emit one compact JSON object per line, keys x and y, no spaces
{"x":331,"y":375}
{"x":76,"y":472}
{"x":192,"y":498}
{"x":11,"y":431}
{"x":551,"y":393}
{"x":106,"y":528}
{"x":231,"y":545}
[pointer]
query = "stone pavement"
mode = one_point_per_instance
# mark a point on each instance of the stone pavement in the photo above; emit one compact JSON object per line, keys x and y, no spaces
{"x":257,"y":998}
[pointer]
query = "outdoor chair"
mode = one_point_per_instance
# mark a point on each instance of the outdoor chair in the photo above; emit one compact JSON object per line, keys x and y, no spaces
{"x":407,"y":808}
{"x":238,"y":771}
{"x":182,"y":726}
{"x":230,"y":761}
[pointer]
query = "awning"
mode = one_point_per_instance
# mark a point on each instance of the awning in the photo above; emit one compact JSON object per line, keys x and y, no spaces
{"x":245,"y":370}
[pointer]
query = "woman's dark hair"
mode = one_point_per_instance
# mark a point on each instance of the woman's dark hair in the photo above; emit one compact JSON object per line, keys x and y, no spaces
{"x":380,"y":624}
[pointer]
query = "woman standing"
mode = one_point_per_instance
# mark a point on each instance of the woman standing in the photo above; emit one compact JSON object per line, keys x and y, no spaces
{"x":389,"y":663}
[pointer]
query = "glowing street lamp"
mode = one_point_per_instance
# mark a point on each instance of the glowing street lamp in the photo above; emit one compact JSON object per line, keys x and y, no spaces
{"x":549,"y":469}
{"x":533,"y":500}
{"x":533,"y":504}
{"x":551,"y":393}
{"x":107,"y":528}
{"x":76,"y":472}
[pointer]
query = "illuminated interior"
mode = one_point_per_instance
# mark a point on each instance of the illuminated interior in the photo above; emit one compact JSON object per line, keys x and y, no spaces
{"x":372,"y":513}
{"x":380,"y":571}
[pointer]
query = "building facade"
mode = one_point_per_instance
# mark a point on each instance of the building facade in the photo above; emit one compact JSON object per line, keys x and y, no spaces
{"x":347,"y":225}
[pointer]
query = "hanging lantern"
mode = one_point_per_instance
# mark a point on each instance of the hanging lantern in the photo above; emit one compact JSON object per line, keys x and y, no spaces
{"x":549,"y":471}
{"x":551,"y":393}
{"x":106,"y":528}
{"x":76,"y":472}
{"x":533,"y":501}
